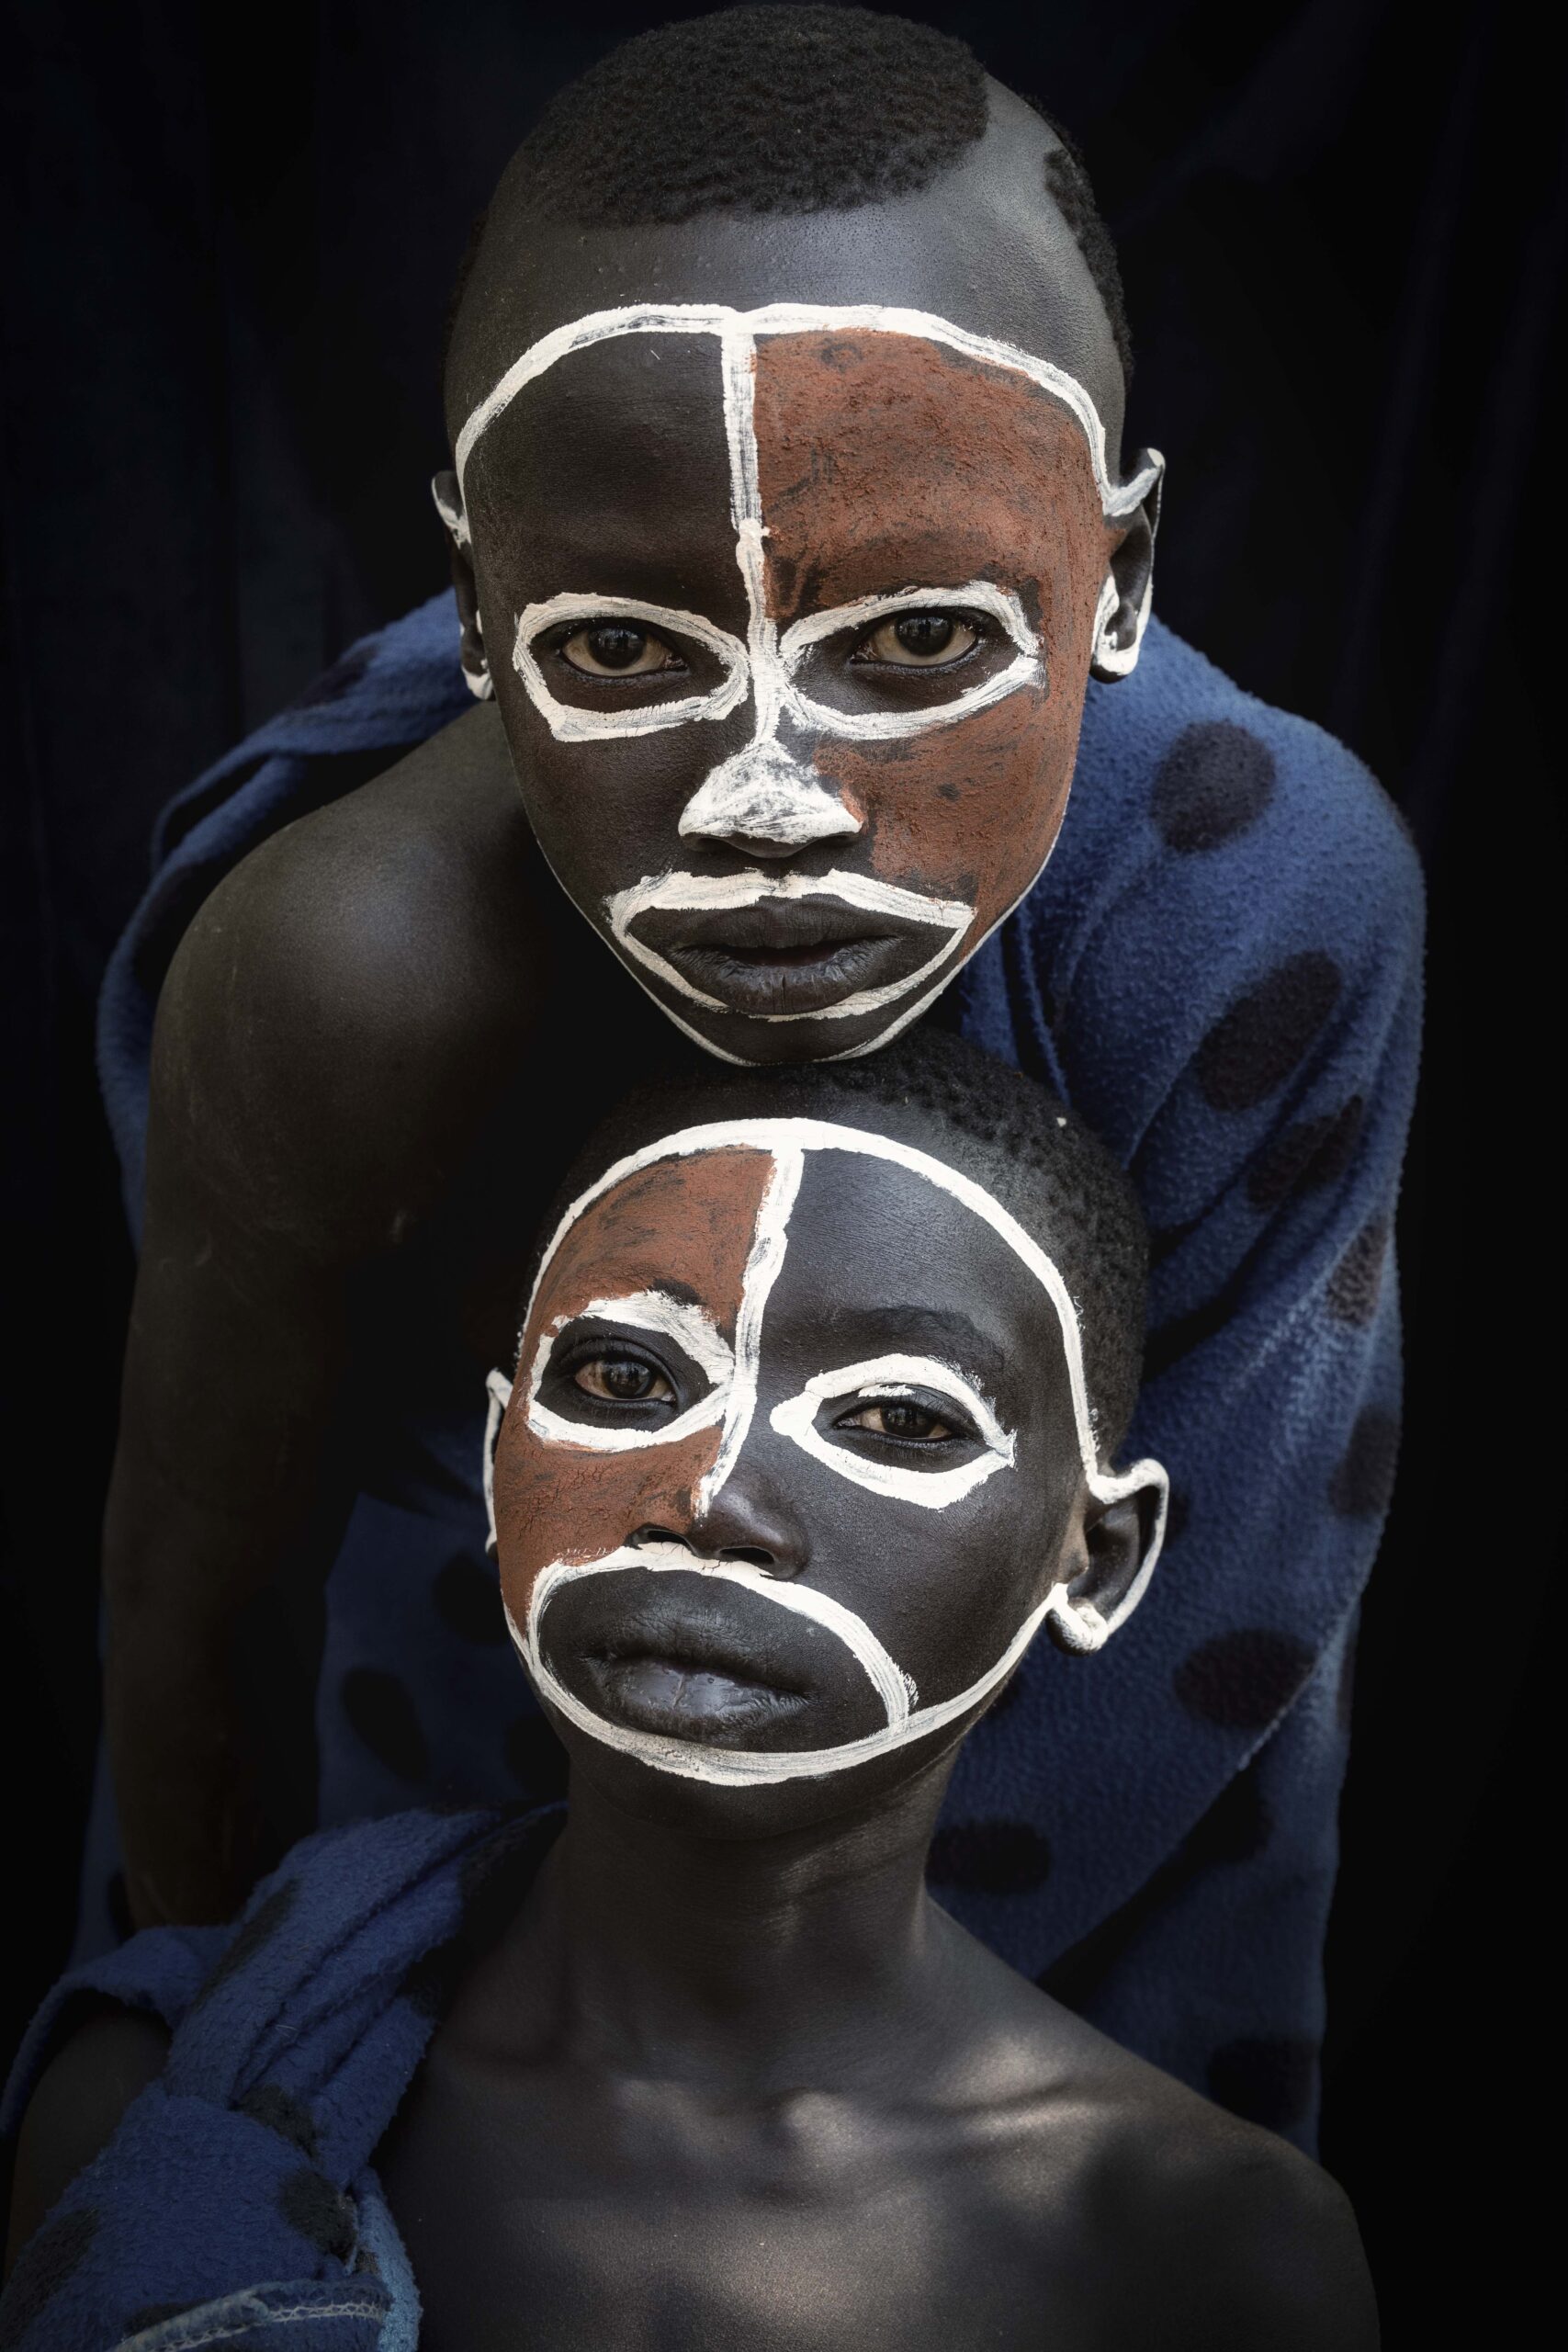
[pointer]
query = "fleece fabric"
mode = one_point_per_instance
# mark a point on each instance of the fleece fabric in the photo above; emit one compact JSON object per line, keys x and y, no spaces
{"x":235,"y":2208}
{"x":1220,"y":969}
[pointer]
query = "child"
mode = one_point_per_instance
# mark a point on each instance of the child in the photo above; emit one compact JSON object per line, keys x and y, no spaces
{"x":791,"y":615}
{"x":819,"y":1387}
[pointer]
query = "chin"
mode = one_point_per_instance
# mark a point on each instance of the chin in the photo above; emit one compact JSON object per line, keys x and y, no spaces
{"x":742,"y":1816}
{"x":765,"y":1044}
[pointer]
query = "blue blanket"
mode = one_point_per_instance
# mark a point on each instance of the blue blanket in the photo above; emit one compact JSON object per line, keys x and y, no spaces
{"x":235,"y":2206}
{"x":1221,"y":969}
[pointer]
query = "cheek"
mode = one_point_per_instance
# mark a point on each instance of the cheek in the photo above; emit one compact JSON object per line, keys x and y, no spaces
{"x":970,"y":810}
{"x":557,"y":1502}
{"x":607,"y":812}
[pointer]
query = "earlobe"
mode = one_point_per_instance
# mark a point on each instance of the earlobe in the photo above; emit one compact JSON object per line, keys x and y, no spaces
{"x":1128,"y":587}
{"x":1122,"y":1538}
{"x":449,"y":497}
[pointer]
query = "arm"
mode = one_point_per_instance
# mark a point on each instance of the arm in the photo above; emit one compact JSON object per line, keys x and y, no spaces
{"x":82,"y":2094}
{"x":326,"y":1044}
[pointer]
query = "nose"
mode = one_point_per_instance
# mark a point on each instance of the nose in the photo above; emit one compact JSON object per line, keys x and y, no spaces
{"x":743,"y":1521}
{"x":766,"y":801}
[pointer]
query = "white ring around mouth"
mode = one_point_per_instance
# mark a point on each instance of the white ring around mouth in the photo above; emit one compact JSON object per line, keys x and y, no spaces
{"x":702,"y":893}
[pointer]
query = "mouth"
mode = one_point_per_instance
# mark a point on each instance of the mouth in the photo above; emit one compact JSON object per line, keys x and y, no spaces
{"x":682,"y":1700}
{"x":795,"y":957}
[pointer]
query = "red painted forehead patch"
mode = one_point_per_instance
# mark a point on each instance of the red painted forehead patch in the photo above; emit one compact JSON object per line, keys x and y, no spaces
{"x":685,"y":1225}
{"x":886,"y":461}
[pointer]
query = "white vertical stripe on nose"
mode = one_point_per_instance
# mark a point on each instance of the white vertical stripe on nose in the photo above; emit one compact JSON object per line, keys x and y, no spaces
{"x":769,"y":1240}
{"x":763,"y":792}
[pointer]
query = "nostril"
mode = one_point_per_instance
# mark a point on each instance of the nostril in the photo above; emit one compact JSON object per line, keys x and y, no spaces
{"x":753,"y":1554}
{"x":651,"y":1534}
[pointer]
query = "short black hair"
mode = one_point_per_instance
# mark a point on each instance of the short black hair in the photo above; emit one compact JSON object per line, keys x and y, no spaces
{"x":1033,"y":1156}
{"x":775,"y":110}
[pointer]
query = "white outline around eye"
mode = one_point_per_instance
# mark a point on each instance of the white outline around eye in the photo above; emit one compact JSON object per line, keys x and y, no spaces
{"x":1027,"y":668}
{"x":890,"y":1376}
{"x":569,"y":723}
{"x":689,"y":1326}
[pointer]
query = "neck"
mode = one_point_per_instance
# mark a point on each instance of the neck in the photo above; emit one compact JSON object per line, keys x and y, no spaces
{"x":808,"y":1956}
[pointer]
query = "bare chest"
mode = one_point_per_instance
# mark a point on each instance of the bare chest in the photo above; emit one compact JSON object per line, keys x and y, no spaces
{"x":630,"y":2224}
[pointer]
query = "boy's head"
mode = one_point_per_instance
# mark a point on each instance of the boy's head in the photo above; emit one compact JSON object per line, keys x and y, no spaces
{"x":819,"y":1391}
{"x":786,"y":394}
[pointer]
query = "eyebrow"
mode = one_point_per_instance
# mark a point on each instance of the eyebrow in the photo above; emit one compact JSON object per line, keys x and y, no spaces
{"x":943,"y":1331}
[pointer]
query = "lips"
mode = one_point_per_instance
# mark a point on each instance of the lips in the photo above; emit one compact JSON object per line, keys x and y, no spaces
{"x":703,"y":1661}
{"x":798,"y":956}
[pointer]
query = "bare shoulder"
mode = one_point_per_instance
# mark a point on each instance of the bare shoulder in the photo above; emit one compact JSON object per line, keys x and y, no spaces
{"x":112,"y":2055}
{"x":1174,"y":2206}
{"x":347,"y":999}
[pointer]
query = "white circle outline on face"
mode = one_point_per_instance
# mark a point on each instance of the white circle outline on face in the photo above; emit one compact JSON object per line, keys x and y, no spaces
{"x":737,"y":333}
{"x":786,"y":1142}
{"x":570,"y":723}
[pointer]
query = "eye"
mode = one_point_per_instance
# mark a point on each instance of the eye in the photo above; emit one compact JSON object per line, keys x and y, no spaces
{"x":618,"y":649}
{"x":920,"y":640}
{"x":622,"y":1380}
{"x":899,"y":1417}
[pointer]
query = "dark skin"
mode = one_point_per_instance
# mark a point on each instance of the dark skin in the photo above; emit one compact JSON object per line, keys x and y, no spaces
{"x":729,"y":2075}
{"x":372,"y":1021}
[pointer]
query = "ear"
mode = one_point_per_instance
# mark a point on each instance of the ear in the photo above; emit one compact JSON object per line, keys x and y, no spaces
{"x":449,"y":497}
{"x":1123,"y":1528}
{"x":1129,"y":582}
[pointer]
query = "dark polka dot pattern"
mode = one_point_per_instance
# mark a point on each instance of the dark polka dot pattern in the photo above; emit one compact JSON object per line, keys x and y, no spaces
{"x":989,"y":1857}
{"x":1356,"y":1283}
{"x":1264,"y":2078}
{"x":1363,"y":1481}
{"x":258,"y":1929}
{"x":1236,"y":1827}
{"x":51,"y":2256}
{"x":310,"y":2203}
{"x":1241,"y":1681}
{"x":281,"y":2112}
{"x":380,"y":1710}
{"x":1306,"y":1157}
{"x":536,"y":1759}
{"x":1213,"y":783}
{"x":1254,"y":1046}
{"x":467,"y":1600}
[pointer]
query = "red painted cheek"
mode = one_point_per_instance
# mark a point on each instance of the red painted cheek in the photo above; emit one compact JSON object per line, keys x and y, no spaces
{"x":558,"y":1502}
{"x":885,"y":461}
{"x":967,"y":811}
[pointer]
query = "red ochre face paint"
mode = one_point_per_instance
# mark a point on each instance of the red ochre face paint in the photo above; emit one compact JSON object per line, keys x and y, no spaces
{"x":879,"y":463}
{"x":886,"y":461}
{"x":683,"y":1226}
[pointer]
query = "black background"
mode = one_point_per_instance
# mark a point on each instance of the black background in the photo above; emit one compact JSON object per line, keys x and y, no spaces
{"x":230,"y":240}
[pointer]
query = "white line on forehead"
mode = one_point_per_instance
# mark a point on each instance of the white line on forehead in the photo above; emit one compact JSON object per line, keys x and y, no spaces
{"x":739,"y":330}
{"x":786,"y":1140}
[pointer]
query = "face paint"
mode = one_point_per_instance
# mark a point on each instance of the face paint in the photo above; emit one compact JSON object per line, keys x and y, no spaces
{"x":577,"y":1502}
{"x":839,"y":828}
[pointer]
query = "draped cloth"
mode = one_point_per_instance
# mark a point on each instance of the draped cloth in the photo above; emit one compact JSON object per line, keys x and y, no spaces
{"x":235,"y":2206}
{"x":1220,"y":969}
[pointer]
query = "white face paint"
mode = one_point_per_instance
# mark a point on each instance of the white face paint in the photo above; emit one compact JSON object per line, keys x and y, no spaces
{"x":770,"y":793}
{"x":730,"y":1408}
